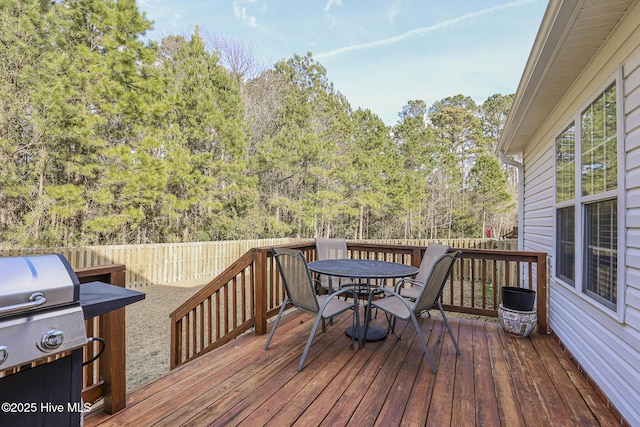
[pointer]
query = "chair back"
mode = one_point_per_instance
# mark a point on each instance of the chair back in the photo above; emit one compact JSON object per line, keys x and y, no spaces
{"x":331,"y":249}
{"x":296,"y":279}
{"x":437,"y":278}
{"x":431,"y":254}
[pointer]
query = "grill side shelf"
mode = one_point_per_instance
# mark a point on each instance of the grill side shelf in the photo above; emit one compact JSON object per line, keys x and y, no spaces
{"x":98,"y":298}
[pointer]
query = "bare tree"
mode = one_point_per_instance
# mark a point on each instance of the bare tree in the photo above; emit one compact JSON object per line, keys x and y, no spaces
{"x":262,"y":97}
{"x":260,"y":88}
{"x":235,"y":55}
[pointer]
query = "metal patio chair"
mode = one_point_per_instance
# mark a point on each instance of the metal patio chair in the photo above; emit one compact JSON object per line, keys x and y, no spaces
{"x":398,"y":307}
{"x":431,"y":254}
{"x":330,"y":249}
{"x":335,"y":248}
{"x":301,"y":293}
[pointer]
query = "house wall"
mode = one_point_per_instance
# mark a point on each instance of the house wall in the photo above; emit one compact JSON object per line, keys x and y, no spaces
{"x":606,"y":344}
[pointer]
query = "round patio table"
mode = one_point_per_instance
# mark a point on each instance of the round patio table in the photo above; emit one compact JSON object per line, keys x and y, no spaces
{"x":366,"y":269}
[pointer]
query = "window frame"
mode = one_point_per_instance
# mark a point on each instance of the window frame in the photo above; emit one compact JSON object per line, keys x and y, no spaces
{"x":588,"y":292}
{"x":566,"y":204}
{"x":560,"y":272}
{"x":580,"y":202}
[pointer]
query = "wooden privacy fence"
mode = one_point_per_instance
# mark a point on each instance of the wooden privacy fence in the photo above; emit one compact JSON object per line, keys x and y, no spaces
{"x":176,"y":262}
{"x":157,"y":263}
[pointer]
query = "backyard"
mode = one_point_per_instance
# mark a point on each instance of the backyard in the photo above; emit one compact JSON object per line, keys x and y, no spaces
{"x":148,"y":330}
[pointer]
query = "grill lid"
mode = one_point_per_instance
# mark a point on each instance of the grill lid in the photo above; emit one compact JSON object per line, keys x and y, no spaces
{"x":36,"y":282}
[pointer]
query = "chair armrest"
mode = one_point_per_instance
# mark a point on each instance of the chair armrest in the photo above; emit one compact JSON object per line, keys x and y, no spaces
{"x":401,"y":282}
{"x":408,"y":304}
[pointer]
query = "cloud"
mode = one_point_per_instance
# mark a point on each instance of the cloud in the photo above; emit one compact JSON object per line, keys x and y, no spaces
{"x":332,"y":3}
{"x":331,"y":19}
{"x":391,"y":14}
{"x":240,"y":12}
{"x":419,"y":31}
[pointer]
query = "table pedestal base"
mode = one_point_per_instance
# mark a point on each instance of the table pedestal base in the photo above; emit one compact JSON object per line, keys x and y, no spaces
{"x":374,"y":333}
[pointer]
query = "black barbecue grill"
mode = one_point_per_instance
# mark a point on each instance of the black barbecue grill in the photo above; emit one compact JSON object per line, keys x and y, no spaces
{"x":42,"y":317}
{"x":40,"y":311}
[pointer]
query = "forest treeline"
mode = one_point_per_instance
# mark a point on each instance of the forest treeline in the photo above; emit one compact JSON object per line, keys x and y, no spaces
{"x":109,"y":138}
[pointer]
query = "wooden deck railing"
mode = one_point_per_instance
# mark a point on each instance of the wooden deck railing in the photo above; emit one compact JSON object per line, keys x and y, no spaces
{"x":249,"y":292}
{"x":216,"y":314}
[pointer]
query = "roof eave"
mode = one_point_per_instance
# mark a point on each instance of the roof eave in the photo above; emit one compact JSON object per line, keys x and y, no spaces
{"x":556,"y":20}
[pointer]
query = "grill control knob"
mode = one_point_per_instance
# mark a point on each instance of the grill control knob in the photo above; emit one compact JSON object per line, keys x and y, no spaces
{"x":4,"y":353}
{"x":51,"y":340}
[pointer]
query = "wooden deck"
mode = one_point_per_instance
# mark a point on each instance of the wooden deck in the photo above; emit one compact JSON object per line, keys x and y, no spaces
{"x":497,"y":380}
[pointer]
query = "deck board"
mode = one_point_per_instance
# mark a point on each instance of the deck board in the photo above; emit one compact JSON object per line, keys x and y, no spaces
{"x":486,"y":403}
{"x":378,"y":382}
{"x":422,"y":391}
{"x":497,"y":380}
{"x":307,"y":385}
{"x":528,"y":400}
{"x":266,"y":393}
{"x":394,"y":406}
{"x":440,"y":411}
{"x":506,"y":395}
{"x":567,"y":391}
{"x":464,"y":405}
{"x":589,"y":395}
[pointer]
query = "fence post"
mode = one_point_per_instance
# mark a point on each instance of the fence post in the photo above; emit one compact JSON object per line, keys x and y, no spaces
{"x":260,"y":260}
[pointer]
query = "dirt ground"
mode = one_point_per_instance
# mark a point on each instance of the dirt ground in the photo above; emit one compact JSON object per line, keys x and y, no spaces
{"x":148,"y":330}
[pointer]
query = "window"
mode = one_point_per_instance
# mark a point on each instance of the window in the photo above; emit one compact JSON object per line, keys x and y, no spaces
{"x":566,"y":192}
{"x":599,"y":145}
{"x":565,"y":244}
{"x":586,"y":185}
{"x":566,"y":165}
{"x":601,"y":256}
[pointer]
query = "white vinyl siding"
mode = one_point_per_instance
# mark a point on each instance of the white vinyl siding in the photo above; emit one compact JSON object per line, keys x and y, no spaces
{"x":539,"y":196}
{"x":632,"y":182}
{"x":605,"y":343}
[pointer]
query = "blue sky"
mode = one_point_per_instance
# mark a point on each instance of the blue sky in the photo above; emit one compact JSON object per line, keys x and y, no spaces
{"x":379,"y":53}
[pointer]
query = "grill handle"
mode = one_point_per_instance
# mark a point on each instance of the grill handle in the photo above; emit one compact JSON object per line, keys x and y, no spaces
{"x":35,"y":300}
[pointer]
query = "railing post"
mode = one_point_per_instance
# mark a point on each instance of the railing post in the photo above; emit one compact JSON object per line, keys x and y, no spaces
{"x":114,"y":357}
{"x":260,"y":259}
{"x":112,"y":330}
{"x":541,"y":272}
{"x":416,"y":257}
{"x":175,"y":352}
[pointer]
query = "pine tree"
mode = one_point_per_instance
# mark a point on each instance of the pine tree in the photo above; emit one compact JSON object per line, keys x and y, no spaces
{"x":488,"y":191}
